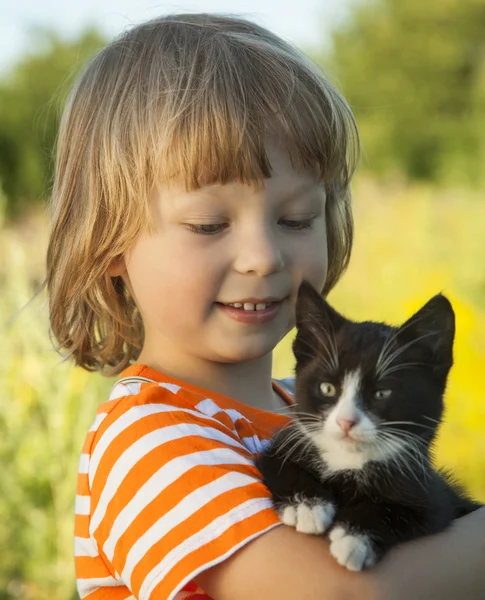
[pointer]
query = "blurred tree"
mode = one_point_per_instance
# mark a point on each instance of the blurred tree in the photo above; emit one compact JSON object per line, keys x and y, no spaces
{"x":30,"y":99}
{"x":414,"y":73}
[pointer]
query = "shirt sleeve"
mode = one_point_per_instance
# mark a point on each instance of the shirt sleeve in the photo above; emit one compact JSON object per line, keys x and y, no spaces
{"x":173,"y":493}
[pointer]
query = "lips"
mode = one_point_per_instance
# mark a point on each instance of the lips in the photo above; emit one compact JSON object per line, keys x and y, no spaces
{"x":250,"y":313}
{"x":254,"y":300}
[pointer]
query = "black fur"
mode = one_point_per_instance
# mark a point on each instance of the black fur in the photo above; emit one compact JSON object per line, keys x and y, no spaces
{"x":391,"y":501}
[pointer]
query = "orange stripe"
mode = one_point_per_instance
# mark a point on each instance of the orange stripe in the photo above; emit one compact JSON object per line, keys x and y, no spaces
{"x":196,"y":477}
{"x":262,"y":424}
{"x":170,"y":450}
{"x":88,"y":567}
{"x":108,"y":405}
{"x":193,"y":524}
{"x":88,"y":442}
{"x":150,"y":394}
{"x":81,"y":526}
{"x":82,"y":488}
{"x":213,"y":550}
{"x":110,"y":593}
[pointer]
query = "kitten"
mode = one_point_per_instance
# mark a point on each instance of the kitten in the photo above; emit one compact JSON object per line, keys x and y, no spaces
{"x":356,"y":460}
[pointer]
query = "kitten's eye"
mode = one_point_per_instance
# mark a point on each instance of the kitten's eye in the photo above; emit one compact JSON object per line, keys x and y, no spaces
{"x":382,"y":394}
{"x":328,"y":389}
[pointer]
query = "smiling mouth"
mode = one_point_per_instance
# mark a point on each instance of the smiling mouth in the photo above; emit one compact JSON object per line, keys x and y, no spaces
{"x":250,"y":306}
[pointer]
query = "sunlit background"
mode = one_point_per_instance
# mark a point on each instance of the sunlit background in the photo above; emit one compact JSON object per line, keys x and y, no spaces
{"x":414,"y":73}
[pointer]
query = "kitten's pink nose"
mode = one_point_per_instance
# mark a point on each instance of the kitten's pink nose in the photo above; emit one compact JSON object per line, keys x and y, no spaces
{"x":346,"y":425}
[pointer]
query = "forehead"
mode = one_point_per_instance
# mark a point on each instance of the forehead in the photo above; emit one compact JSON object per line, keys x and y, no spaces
{"x":286,"y":182}
{"x":359,"y":346}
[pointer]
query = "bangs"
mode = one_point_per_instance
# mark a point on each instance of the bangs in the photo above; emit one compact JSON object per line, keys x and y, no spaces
{"x":235,"y":91}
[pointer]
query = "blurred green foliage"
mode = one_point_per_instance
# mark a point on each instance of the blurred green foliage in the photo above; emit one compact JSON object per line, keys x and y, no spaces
{"x":414,"y":73}
{"x":31,"y":97}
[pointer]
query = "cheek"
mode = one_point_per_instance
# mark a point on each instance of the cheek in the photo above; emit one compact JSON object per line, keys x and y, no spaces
{"x":312,"y":259}
{"x":163,"y":276}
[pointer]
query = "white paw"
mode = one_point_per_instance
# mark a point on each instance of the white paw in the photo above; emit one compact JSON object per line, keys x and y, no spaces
{"x":308,"y":516}
{"x":352,"y":551}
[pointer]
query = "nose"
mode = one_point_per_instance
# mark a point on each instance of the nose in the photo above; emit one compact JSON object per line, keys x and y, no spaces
{"x":346,"y":425}
{"x":259,"y":252}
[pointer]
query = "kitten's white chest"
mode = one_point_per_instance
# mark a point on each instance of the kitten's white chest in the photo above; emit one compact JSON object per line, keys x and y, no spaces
{"x":340,"y":459}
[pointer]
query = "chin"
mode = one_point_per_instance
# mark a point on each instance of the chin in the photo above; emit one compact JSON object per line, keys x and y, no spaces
{"x":245,"y":352}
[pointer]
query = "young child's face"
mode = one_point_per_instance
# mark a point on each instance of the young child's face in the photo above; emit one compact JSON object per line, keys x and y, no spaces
{"x":254,"y":247}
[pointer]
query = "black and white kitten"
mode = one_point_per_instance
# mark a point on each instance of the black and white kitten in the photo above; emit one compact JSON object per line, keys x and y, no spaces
{"x":356,"y":460}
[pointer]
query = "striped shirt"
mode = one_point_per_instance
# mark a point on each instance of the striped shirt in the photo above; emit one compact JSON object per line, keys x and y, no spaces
{"x":167,"y":487}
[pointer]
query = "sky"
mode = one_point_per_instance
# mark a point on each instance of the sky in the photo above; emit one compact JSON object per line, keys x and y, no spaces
{"x":304,"y":22}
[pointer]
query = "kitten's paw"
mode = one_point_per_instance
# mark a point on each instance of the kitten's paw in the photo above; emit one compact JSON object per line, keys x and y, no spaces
{"x":313,"y":516}
{"x":352,"y":550}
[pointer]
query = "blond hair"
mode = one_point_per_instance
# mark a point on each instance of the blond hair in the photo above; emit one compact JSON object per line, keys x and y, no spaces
{"x":188,"y":97}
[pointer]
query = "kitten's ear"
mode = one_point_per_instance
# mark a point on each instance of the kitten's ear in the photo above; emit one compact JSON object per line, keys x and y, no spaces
{"x":432,"y":328}
{"x":312,"y":309}
{"x":315,"y":321}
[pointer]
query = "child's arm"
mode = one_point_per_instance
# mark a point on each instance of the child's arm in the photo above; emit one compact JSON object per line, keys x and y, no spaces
{"x":284,"y":564}
{"x":446,"y":566}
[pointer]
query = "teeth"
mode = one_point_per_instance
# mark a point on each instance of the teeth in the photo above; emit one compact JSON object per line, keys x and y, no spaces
{"x":250,"y":305}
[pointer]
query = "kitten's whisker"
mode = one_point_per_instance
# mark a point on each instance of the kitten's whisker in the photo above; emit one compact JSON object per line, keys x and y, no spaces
{"x":392,"y":337}
{"x":407,"y":455}
{"x":385,"y":423}
{"x":413,"y":438}
{"x":331,"y":350}
{"x":401,"y":366}
{"x":319,"y":356}
{"x":388,"y":360}
{"x":300,"y":440}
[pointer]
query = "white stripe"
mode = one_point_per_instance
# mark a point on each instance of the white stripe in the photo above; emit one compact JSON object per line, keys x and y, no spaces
{"x":85,"y":547}
{"x":174,"y":595}
{"x":131,"y":416}
{"x":119,"y":391}
{"x":253,"y":444}
{"x":97,"y":421}
{"x":83,"y":464}
{"x":133,"y":387}
{"x":88,"y":586}
{"x":82,"y":505}
{"x":210,"y":408}
{"x":145,"y":444}
{"x":200,"y":539}
{"x":184,"y":509}
{"x":170,"y":386}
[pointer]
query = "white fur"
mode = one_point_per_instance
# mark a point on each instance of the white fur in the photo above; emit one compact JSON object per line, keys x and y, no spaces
{"x":351,"y":551}
{"x":308,"y":517}
{"x":341,"y":452}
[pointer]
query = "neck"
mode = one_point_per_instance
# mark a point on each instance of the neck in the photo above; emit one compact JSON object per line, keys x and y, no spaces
{"x":248,"y":382}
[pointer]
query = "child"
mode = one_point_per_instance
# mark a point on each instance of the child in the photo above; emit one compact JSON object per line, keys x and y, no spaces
{"x":203,"y":172}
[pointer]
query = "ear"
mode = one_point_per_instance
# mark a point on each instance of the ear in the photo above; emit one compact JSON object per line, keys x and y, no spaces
{"x":432,"y":329}
{"x":315,"y":321}
{"x":313,"y":310}
{"x":117,"y":266}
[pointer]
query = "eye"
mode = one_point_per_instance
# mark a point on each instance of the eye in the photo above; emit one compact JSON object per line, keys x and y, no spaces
{"x":295,"y":225}
{"x":207,"y":229}
{"x":328,"y":389}
{"x":382,"y":394}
